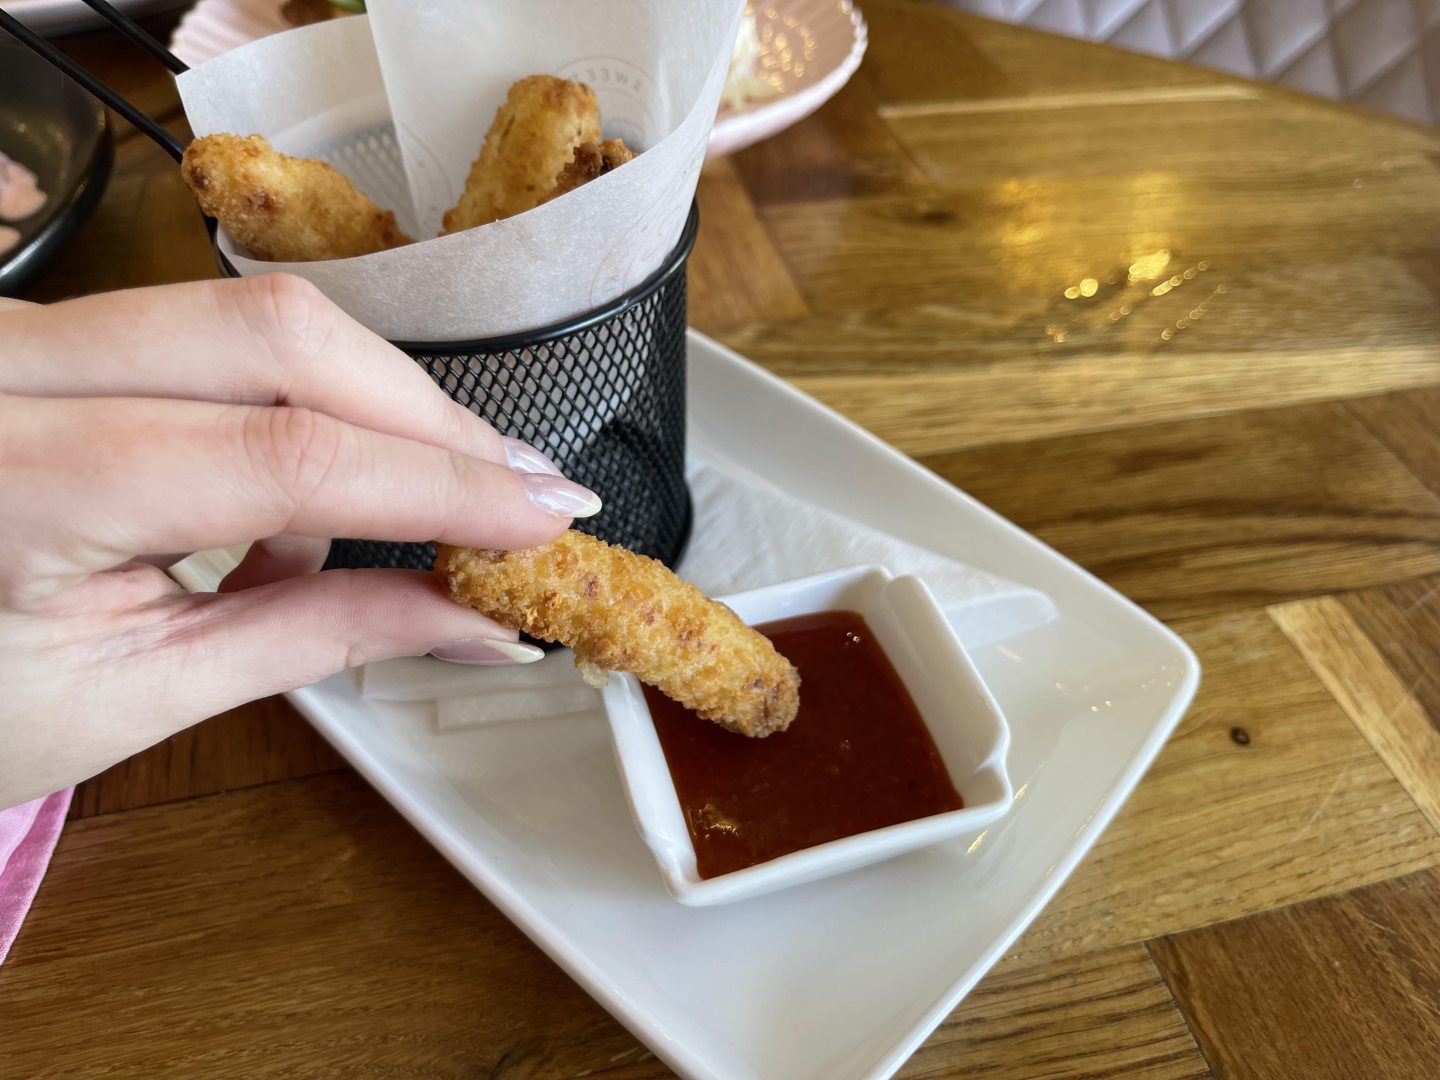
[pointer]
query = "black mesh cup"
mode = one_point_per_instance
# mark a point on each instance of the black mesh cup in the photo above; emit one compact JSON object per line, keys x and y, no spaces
{"x":602,"y":394}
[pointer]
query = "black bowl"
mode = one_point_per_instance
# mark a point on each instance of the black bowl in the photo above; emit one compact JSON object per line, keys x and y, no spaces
{"x":49,"y":124}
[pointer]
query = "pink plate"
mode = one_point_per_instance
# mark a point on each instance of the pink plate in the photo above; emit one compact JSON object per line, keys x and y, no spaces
{"x":808,"y":49}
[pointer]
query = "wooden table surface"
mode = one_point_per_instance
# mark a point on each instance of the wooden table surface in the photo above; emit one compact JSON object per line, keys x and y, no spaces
{"x":1183,"y":328}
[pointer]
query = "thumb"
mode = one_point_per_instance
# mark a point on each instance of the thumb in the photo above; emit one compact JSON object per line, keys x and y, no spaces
{"x":184,"y":658}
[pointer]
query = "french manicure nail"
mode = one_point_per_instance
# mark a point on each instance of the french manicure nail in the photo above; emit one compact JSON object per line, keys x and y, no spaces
{"x":479,"y":650}
{"x":557,"y":495}
{"x":524,"y":458}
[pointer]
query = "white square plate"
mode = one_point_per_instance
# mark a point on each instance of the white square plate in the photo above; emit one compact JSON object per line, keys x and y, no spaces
{"x":841,"y":978}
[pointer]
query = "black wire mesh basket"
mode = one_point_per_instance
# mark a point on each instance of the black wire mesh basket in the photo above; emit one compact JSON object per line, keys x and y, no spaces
{"x":602,"y":394}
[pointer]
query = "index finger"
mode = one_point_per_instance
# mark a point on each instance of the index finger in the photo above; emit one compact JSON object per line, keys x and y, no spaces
{"x":88,"y":484}
{"x":268,"y":340}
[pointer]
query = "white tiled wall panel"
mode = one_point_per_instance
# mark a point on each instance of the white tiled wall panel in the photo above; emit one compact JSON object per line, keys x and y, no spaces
{"x":1384,"y":54}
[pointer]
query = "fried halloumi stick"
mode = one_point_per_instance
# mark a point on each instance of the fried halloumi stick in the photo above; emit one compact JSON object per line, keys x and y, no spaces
{"x":530,"y":140}
{"x":623,"y":612}
{"x":589,"y":162}
{"x":282,"y":208}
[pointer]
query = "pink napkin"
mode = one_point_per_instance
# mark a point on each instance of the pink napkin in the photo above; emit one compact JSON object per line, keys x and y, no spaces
{"x":27,"y":837}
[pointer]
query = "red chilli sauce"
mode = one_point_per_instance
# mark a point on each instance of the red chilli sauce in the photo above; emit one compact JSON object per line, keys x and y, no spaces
{"x":857,"y":757}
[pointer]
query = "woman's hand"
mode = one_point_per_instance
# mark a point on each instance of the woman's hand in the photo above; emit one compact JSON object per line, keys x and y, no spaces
{"x":137,"y":427}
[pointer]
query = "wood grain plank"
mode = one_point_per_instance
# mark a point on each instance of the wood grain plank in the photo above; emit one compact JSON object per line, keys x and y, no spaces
{"x":1403,"y":621}
{"x":1036,"y":313}
{"x":734,"y":274}
{"x":841,"y":151}
{"x":1028,"y":239}
{"x":1381,"y":706}
{"x":1265,"y":796}
{"x":1167,"y":133}
{"x":924,"y":53}
{"x":127,"y":70}
{"x":294,"y":929}
{"x":1073,"y":99}
{"x":1344,"y":987}
{"x":241,"y":955}
{"x":258,"y":743}
{"x":143,"y":156}
{"x":946,"y":379}
{"x":1406,"y":422}
{"x":1218,"y":514}
{"x":1105,"y":1013}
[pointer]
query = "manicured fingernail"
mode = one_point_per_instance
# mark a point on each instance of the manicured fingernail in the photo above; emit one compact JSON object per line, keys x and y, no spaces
{"x":560,"y":496}
{"x":524,"y":458}
{"x":479,"y":650}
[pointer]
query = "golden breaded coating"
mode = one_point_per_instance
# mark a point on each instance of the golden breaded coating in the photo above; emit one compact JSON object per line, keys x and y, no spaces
{"x":531,"y":138}
{"x":589,"y":162}
{"x":282,"y":208}
{"x":624,"y":612}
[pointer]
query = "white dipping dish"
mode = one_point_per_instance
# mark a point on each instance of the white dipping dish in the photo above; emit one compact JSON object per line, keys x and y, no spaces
{"x":968,"y":728}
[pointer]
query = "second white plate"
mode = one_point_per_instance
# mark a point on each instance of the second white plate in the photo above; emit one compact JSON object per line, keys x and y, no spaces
{"x":842,"y":978}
